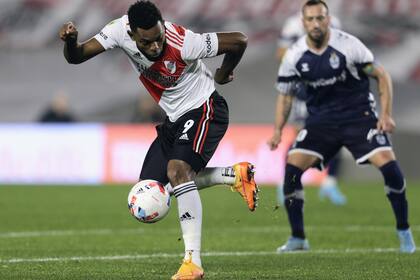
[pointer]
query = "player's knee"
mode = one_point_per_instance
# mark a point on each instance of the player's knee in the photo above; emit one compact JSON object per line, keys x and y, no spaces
{"x":302,"y":161}
{"x":393,"y":177}
{"x":292,"y":180}
{"x":382,"y":158}
{"x":176,"y":175}
{"x":179,"y":172}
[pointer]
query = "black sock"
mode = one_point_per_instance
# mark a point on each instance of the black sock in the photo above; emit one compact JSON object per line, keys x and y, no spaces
{"x":294,"y":209}
{"x":395,"y":188}
{"x":293,"y":199}
{"x":400,"y":208}
{"x":334,"y":165}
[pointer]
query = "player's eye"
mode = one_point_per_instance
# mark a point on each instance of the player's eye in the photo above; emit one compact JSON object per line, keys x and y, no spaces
{"x":159,"y":39}
{"x":148,"y":43}
{"x":145,"y":43}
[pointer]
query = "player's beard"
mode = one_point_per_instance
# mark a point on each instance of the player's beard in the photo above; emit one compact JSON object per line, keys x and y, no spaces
{"x":156,"y":57}
{"x":318,"y":38}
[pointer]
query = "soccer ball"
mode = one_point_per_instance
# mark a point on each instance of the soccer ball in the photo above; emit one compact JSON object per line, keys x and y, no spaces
{"x":149,"y":201}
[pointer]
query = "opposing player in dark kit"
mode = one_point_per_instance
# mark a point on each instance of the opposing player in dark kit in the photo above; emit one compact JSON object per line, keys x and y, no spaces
{"x":335,"y":67}
{"x":292,"y":30}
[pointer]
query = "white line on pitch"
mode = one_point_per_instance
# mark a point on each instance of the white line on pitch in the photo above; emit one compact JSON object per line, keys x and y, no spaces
{"x":255,"y":229}
{"x":208,"y":254}
{"x":17,"y":234}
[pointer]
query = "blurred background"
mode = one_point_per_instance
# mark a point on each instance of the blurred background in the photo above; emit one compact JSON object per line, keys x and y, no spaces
{"x":37,"y":85}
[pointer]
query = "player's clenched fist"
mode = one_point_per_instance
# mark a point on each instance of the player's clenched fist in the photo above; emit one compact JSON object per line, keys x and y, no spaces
{"x":68,"y":32}
{"x":221,"y":78}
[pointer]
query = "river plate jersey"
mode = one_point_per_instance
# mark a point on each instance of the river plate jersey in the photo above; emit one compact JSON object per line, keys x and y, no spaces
{"x":337,"y":88}
{"x":178,"y":81}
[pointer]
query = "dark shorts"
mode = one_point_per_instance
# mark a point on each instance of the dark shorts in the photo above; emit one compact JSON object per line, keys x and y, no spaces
{"x":324,"y":141}
{"x":192,"y":138}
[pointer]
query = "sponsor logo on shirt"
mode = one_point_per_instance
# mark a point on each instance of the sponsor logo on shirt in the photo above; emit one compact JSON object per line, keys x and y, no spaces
{"x":103,"y":35}
{"x":328,"y":82}
{"x":208,"y":43}
{"x":156,"y":76}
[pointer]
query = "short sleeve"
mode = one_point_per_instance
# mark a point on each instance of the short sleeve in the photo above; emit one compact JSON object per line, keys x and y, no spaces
{"x":359,"y":53}
{"x":287,"y":77}
{"x":198,"y":46}
{"x":111,"y":35}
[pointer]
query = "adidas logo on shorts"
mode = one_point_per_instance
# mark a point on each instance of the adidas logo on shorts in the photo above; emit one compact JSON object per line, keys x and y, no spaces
{"x":184,"y":137}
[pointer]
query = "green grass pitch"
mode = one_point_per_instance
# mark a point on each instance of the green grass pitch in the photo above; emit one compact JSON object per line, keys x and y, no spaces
{"x":87,"y":233}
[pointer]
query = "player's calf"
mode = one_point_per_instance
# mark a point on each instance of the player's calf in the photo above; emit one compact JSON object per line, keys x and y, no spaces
{"x":189,"y":207}
{"x":395,"y":191}
{"x":294,"y":199}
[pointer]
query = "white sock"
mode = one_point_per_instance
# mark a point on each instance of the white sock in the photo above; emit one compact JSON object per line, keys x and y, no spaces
{"x":211,"y":176}
{"x":190,"y":216}
{"x":195,"y":256}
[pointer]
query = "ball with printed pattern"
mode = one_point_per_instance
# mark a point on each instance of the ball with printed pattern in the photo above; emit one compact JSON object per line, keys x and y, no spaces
{"x":149,"y":201}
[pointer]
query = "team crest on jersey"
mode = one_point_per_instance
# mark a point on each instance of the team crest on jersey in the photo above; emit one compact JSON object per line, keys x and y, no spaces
{"x":170,"y":65}
{"x":334,"y":60}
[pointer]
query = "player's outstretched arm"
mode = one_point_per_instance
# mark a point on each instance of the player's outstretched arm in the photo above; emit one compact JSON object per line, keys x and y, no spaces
{"x":385,"y":122}
{"x":74,"y":52}
{"x":233,"y":45}
{"x":283,"y":107}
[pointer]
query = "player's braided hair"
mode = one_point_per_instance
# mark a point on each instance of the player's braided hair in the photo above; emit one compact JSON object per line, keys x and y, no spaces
{"x":144,"y":15}
{"x":314,"y":3}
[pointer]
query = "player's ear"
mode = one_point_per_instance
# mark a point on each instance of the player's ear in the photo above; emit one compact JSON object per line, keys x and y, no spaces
{"x":130,"y":34}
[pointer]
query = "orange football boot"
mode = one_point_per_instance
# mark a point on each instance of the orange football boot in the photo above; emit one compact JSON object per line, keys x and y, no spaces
{"x":245,"y":184}
{"x":188,"y":271}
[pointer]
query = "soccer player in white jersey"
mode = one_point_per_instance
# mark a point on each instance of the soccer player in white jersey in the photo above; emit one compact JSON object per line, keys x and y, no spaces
{"x":167,"y":58}
{"x":335,"y":67}
{"x":292,"y":30}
